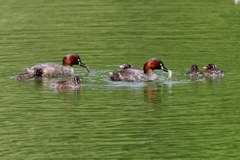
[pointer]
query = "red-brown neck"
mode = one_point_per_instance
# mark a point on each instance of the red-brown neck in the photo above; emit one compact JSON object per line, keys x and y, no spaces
{"x":151,"y":65}
{"x":70,"y":60}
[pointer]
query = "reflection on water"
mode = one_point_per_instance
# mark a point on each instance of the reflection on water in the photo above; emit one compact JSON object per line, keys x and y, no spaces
{"x":205,"y":79}
{"x":194,"y":78}
{"x":153,"y":93}
{"x":72,"y":98}
{"x":102,"y":108}
{"x":190,"y":119}
{"x":70,"y":91}
{"x":212,"y":79}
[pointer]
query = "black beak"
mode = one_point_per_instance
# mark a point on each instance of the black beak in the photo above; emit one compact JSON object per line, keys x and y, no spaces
{"x":84,"y":65}
{"x":165,"y":69}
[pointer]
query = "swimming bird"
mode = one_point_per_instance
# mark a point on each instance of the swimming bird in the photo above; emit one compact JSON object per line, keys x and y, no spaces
{"x":213,"y":71}
{"x":128,"y":65}
{"x":194,"y":72}
{"x":53,"y":69}
{"x":137,"y":75}
{"x":64,"y":84}
{"x":35,"y":73}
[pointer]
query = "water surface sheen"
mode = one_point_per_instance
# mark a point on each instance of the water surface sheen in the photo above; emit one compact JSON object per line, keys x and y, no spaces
{"x":176,"y":119}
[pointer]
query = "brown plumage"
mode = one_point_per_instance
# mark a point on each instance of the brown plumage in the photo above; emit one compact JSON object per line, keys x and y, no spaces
{"x":63,"y":84}
{"x":194,"y":72}
{"x":127,"y":65}
{"x":213,"y":71}
{"x":137,"y":75}
{"x":53,"y":69}
{"x":37,"y":73}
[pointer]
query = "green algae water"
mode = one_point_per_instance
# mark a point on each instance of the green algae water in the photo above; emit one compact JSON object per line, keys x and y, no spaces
{"x":176,"y":119}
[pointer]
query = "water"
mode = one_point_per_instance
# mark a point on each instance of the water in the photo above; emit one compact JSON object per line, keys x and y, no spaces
{"x":176,"y":119}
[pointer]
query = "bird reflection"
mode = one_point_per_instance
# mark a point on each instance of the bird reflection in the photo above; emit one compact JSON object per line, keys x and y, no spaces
{"x":153,"y":93}
{"x":212,"y":79}
{"x":45,"y":83}
{"x":67,"y":91}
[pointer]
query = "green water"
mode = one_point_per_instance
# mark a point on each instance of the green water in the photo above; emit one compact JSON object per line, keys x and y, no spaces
{"x":177,"y":119}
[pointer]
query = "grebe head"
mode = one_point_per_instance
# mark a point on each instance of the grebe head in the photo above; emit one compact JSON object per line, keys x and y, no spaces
{"x":125,"y":66}
{"x":74,"y":59}
{"x":154,"y":63}
{"x":210,"y":66}
{"x":38,"y":72}
{"x":194,"y":68}
{"x":76,"y":80}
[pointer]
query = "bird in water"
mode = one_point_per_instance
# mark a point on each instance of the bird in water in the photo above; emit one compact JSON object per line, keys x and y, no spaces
{"x":213,"y":71}
{"x":128,"y":65}
{"x":137,"y":75}
{"x":194,"y":72}
{"x":67,"y":84}
{"x":53,"y":69}
{"x":35,"y":73}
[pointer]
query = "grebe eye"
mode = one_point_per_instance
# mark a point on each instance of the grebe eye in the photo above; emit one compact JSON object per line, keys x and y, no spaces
{"x":161,"y":66}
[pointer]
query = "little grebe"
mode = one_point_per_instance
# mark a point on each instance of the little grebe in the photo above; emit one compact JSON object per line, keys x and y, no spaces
{"x":194,"y":72}
{"x":35,"y":73}
{"x":53,"y":69}
{"x":127,"y":65}
{"x":213,"y":71}
{"x":64,"y":84}
{"x":137,"y":75}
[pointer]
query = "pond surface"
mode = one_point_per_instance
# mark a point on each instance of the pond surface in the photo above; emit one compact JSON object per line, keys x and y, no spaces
{"x":176,"y":119}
